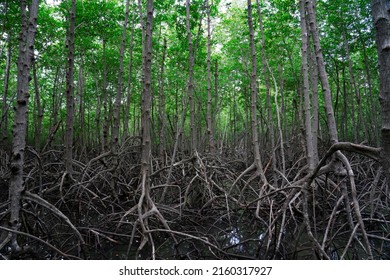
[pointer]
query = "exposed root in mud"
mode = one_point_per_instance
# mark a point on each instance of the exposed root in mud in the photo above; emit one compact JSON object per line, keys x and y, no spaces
{"x":212,"y":209}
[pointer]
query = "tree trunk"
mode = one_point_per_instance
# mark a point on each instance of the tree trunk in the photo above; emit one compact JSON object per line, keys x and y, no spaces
{"x":190,"y":87}
{"x":372,"y":108}
{"x":307,"y":106}
{"x":283,"y":107}
{"x":346,"y":113}
{"x":129,"y":83}
{"x":106,"y":122}
{"x":38,"y":127}
{"x":141,"y":21}
{"x":81,"y":116}
{"x":254,"y":93}
{"x":162,"y":109}
{"x":55,"y":98}
{"x":322,"y":73}
{"x":360,"y":127}
{"x":4,"y":111}
{"x":146,"y":99}
{"x":210,"y":116}
{"x":270,"y":120}
{"x":26,"y":55}
{"x":119,"y":89}
{"x":216,"y":111}
{"x":70,"y":110}
{"x":98,"y":110}
{"x":314,"y":101}
{"x":381,"y":15}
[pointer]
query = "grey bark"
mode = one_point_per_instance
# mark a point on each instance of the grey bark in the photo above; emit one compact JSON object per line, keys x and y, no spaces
{"x":147,"y":99}
{"x":70,"y":110}
{"x":360,"y":125}
{"x":216,"y":111}
{"x":129,"y":83}
{"x":210,"y":126}
{"x":322,"y":72}
{"x":119,"y":89}
{"x":190,"y":87}
{"x":381,"y":16}
{"x":254,"y":93}
{"x":4,"y":111}
{"x":314,"y":101}
{"x":306,"y":95}
{"x":162,"y":109}
{"x":26,"y":55}
{"x":80,"y":92}
{"x":38,"y":127}
{"x":106,"y":122}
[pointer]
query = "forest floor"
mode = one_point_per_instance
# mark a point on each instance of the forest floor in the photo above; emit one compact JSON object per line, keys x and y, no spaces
{"x":202,"y":209}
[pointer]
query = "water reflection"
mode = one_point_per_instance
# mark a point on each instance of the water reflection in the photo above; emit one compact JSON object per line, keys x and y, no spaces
{"x":234,"y":237}
{"x":246,"y":238}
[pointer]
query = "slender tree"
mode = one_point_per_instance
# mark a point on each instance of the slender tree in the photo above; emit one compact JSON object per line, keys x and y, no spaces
{"x":190,"y":87}
{"x":4,"y":111}
{"x":81,"y":116}
{"x":353,"y":81}
{"x":162,"y":108}
{"x":216,"y":112}
{"x":266,"y":75}
{"x":210,"y":126}
{"x":26,"y":55}
{"x":307,"y":105}
{"x":119,"y":89}
{"x":147,"y":99}
{"x":322,"y":72}
{"x":129,"y":82}
{"x":70,"y":110}
{"x":38,"y":128}
{"x":257,"y":164}
{"x":314,"y":100}
{"x":381,"y":15}
{"x":106,"y":123}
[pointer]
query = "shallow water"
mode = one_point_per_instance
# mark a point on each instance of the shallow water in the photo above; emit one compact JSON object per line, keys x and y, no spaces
{"x":242,"y":237}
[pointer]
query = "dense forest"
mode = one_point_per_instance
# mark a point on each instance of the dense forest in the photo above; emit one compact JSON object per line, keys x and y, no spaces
{"x":195,"y":129}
